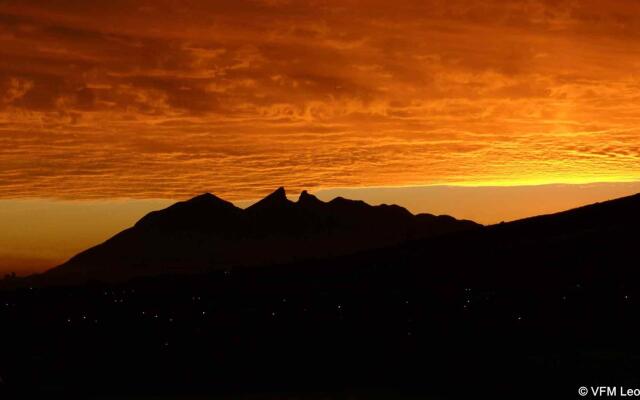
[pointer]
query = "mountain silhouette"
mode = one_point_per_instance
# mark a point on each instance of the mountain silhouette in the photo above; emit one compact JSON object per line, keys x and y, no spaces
{"x":207,"y":233}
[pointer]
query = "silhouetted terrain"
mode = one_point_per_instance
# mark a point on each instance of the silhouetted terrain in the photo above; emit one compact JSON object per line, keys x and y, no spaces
{"x":207,"y":233}
{"x":530,"y":309}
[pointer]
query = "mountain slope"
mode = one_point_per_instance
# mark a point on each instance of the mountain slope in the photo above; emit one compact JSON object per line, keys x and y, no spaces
{"x":583,"y":246}
{"x":208,"y":233}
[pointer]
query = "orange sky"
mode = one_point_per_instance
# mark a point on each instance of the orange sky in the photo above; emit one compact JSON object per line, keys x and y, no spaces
{"x":165,"y":99}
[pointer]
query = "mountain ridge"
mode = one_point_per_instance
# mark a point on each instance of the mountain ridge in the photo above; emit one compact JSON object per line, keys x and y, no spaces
{"x":207,"y":233}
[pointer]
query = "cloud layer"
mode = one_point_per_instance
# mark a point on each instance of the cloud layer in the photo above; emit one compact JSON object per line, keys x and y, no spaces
{"x":164,"y":99}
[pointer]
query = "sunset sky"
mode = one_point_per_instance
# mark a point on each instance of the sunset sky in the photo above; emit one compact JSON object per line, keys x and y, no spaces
{"x":121,"y":107}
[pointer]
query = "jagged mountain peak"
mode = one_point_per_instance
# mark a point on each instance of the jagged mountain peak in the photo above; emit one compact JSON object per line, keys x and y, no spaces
{"x":198,"y":211}
{"x":205,"y":197}
{"x":277,"y":198}
{"x":307,"y":198}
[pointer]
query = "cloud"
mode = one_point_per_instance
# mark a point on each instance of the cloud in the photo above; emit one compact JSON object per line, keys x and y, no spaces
{"x":153,"y":99}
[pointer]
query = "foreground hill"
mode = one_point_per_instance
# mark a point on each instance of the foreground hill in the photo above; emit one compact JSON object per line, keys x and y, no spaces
{"x":207,"y":233}
{"x":587,"y":245}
